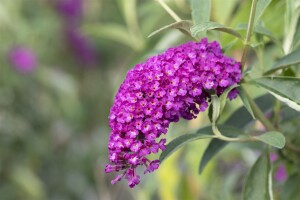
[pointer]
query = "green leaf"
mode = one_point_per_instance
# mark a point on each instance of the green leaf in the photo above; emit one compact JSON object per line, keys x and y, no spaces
{"x":200,"y":11}
{"x":245,"y":101}
{"x":286,"y":61}
{"x":292,"y":16}
{"x":241,"y":117}
{"x":234,"y":124}
{"x":285,"y":89}
{"x":223,"y":97}
{"x":258,"y":29}
{"x":217,"y":145}
{"x":222,"y":10}
{"x":183,"y":26}
{"x":180,"y":141}
{"x":205,"y":26}
{"x":273,"y":138}
{"x":258,"y":182}
{"x":214,"y":147}
{"x":260,"y":8}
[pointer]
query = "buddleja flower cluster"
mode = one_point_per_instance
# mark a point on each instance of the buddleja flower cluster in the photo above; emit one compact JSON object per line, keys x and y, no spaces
{"x":162,"y":90}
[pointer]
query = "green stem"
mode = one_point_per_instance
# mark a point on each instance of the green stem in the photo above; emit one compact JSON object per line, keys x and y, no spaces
{"x":169,"y":10}
{"x":249,"y":33}
{"x":219,"y":136}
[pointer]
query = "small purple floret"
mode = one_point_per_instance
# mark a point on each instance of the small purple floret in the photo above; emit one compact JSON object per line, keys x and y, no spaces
{"x":165,"y":88}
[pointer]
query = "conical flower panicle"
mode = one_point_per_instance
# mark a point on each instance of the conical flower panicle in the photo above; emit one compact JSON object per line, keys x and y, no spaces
{"x":165,"y":88}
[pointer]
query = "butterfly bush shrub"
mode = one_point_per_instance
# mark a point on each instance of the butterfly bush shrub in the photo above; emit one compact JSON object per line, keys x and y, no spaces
{"x":187,"y":79}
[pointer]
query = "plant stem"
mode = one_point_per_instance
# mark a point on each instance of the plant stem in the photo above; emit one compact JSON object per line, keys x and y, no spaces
{"x":249,"y":33}
{"x":219,"y":136}
{"x":169,"y":10}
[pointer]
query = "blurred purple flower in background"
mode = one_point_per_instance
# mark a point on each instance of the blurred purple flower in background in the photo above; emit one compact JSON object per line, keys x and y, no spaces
{"x":81,"y":46}
{"x":273,"y":157}
{"x":22,"y":59}
{"x":70,"y":9}
{"x":280,"y":174}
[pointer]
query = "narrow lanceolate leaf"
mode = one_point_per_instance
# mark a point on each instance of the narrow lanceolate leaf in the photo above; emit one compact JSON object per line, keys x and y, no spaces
{"x":285,"y":89}
{"x":205,"y":26}
{"x":260,"y":8}
{"x":273,"y":138}
{"x":258,"y":182}
{"x":245,"y":101}
{"x":286,"y":61}
{"x":200,"y":11}
{"x":217,"y":145}
{"x":180,"y":141}
{"x":184,"y":26}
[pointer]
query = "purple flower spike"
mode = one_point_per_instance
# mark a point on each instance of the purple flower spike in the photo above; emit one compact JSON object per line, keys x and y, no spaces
{"x":23,"y":59}
{"x":162,"y":90}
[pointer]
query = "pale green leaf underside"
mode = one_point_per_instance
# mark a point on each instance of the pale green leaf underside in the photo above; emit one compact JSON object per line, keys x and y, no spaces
{"x":205,"y":26}
{"x":285,"y":89}
{"x":273,"y":138}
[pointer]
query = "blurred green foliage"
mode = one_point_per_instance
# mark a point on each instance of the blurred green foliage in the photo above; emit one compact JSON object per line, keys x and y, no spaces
{"x":53,"y":121}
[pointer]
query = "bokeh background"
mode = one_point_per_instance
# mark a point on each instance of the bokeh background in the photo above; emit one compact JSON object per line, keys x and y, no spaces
{"x":62,"y":61}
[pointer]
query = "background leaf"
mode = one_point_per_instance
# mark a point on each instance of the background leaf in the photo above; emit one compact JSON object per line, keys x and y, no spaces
{"x":205,"y":26}
{"x":291,"y":187}
{"x":286,"y":61}
{"x":183,"y":26}
{"x":260,"y":8}
{"x":285,"y":89}
{"x":216,"y":145}
{"x":180,"y":141}
{"x":273,"y":138}
{"x":258,"y":183}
